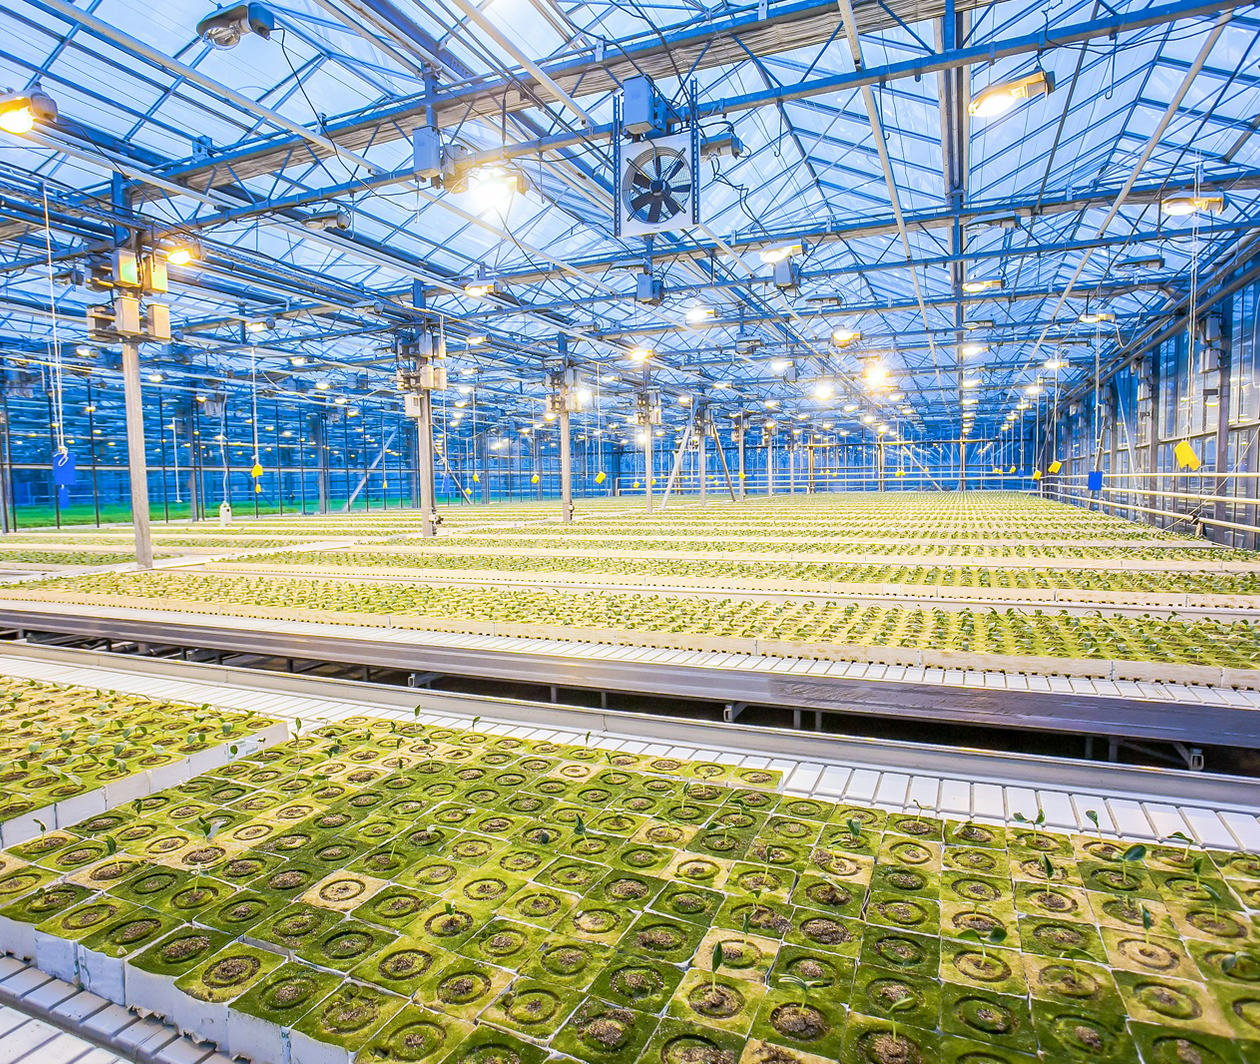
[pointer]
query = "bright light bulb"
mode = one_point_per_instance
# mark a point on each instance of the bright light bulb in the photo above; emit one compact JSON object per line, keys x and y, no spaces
{"x":845,"y":337}
{"x":970,"y":350}
{"x":980,"y":284}
{"x":823,"y":390}
{"x":493,"y":189}
{"x":771,"y":256}
{"x":971,"y":382}
{"x":1055,"y":363}
{"x":18,"y":120}
{"x":780,"y":365}
{"x":322,"y":386}
{"x":1183,"y":206}
{"x":876,"y":376}
{"x":180,"y":256}
{"x":640,"y":354}
{"x":699,"y":314}
{"x":999,"y":99}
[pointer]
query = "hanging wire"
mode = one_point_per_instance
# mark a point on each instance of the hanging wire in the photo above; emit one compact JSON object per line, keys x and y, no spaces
{"x":175,"y":459}
{"x":253,"y":398}
{"x":59,"y":432}
{"x":223,"y":448}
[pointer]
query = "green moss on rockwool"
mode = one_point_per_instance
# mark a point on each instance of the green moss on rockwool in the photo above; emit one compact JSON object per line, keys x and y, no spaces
{"x":521,"y":923}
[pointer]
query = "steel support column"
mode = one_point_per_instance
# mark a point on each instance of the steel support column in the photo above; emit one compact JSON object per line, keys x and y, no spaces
{"x":137,"y":467}
{"x":566,"y":469}
{"x":424,"y":456}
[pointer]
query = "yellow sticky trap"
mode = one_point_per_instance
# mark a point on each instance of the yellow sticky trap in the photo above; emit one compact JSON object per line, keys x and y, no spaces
{"x":1036,"y":474}
{"x":476,"y":478}
{"x":1186,"y":458}
{"x":743,"y":476}
{"x":899,"y":473}
{"x":1054,"y":467}
{"x":600,"y":477}
{"x":257,"y":489}
{"x":1011,"y":470}
{"x":636,"y":484}
{"x":257,"y":471}
{"x":534,"y":479}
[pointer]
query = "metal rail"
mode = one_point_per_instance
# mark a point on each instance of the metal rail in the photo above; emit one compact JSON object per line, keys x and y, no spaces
{"x":699,"y":679}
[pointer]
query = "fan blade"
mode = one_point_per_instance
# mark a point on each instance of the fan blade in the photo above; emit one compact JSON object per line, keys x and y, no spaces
{"x":637,"y":203}
{"x":656,"y":163}
{"x":678,"y":163}
{"x":638,"y":177}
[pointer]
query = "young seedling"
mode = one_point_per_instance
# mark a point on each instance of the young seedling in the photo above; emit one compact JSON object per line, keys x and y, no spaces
{"x":919,"y":820}
{"x":718,"y":958}
{"x":1047,"y":868}
{"x":1074,"y":957}
{"x":1245,"y":963}
{"x":1092,"y":816}
{"x":1135,"y":854}
{"x":1036,"y":822}
{"x":803,"y":985}
{"x":1148,"y":921}
{"x":1197,"y":868}
{"x":995,"y":937}
{"x":902,"y":1004}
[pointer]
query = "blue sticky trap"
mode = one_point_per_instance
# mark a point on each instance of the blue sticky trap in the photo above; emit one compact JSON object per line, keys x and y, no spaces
{"x":63,"y":469}
{"x":1093,"y":482}
{"x":63,"y":495}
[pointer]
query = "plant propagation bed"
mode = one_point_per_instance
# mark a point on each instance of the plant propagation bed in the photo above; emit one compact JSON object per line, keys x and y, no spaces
{"x":59,"y":744}
{"x":600,"y":616}
{"x":392,"y":892}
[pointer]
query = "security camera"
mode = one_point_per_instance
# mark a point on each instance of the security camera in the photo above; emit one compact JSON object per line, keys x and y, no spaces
{"x":225,"y":28}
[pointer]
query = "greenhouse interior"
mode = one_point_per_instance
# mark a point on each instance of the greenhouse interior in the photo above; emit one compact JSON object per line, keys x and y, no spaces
{"x":568,"y":532}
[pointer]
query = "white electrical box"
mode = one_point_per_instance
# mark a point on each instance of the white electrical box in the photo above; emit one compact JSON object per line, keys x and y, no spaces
{"x":432,"y":377}
{"x":155,"y":273}
{"x":426,"y":148}
{"x":413,"y":405}
{"x":158,"y":320}
{"x":643,"y":108}
{"x":127,"y":316}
